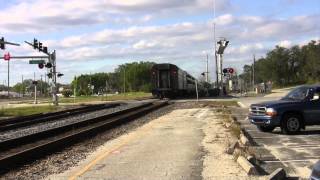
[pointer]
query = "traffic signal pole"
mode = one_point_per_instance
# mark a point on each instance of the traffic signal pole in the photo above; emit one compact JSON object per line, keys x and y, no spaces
{"x":52,"y":59}
{"x":7,"y":57}
{"x":8,"y":78}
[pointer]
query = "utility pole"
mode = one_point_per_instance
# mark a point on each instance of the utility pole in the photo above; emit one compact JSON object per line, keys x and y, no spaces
{"x":91,"y":85}
{"x":124,"y":81}
{"x":207,"y":69}
{"x":75,"y":89}
{"x":215,"y":43}
{"x":8,"y":78}
{"x":46,"y":87}
{"x":41,"y":85}
{"x":22,"y":86}
{"x":253,"y":69}
{"x":35,"y":88}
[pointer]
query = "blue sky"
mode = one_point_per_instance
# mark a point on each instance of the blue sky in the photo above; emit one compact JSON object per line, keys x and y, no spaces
{"x":97,"y":36}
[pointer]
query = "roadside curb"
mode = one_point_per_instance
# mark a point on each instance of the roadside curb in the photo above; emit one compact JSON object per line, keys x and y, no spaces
{"x":247,"y":166}
{"x":240,"y":151}
{"x":278,"y":174}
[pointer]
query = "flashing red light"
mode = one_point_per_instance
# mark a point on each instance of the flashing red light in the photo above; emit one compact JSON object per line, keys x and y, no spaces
{"x":7,"y":57}
{"x":231,"y":70}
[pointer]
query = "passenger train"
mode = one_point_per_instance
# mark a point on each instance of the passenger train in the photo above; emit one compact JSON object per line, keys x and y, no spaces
{"x":169,"y":81}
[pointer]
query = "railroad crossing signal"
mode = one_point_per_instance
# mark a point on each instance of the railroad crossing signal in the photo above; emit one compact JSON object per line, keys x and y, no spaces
{"x":228,"y":71}
{"x":222,"y":46}
{"x":49,"y":65}
{"x":49,"y":75}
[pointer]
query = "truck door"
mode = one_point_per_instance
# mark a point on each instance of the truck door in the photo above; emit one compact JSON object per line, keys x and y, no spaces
{"x":312,"y":110}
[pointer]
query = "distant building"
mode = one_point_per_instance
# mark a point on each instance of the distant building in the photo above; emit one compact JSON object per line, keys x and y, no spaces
{"x":4,"y":94}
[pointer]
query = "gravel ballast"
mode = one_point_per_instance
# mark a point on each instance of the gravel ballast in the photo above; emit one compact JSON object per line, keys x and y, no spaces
{"x":61,"y":122}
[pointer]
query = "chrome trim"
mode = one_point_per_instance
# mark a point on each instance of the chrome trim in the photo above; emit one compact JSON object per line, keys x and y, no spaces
{"x":256,"y":110}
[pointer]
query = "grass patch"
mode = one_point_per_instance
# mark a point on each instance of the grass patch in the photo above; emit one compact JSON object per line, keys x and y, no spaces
{"x":24,"y":111}
{"x":126,"y":96}
{"x":221,"y":103}
{"x":235,"y":130}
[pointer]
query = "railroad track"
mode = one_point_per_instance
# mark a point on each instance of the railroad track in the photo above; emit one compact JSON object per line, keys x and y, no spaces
{"x":18,"y":151}
{"x":19,"y":122}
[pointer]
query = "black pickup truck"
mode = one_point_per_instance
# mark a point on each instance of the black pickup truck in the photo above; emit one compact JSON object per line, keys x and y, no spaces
{"x":295,"y":111}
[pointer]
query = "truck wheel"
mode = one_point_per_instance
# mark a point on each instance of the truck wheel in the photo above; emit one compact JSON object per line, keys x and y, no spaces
{"x":266,"y":128}
{"x":291,"y":124}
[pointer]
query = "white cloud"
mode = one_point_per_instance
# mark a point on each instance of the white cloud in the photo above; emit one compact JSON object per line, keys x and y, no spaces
{"x":224,"y":20}
{"x":142,"y":44}
{"x":285,"y":44}
{"x":138,"y":34}
{"x":48,"y":15}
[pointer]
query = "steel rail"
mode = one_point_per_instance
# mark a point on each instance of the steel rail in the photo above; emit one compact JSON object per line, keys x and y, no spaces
{"x":16,"y":152}
{"x":23,"y":121}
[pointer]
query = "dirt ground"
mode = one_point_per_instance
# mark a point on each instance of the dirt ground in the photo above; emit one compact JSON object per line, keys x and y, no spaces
{"x":217,"y":164}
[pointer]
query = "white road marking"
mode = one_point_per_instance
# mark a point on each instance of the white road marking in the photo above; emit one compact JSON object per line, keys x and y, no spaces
{"x":262,"y":137}
{"x":295,"y":160}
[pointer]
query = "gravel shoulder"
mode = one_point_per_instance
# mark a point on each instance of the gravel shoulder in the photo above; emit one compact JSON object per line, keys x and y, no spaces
{"x":217,"y":164}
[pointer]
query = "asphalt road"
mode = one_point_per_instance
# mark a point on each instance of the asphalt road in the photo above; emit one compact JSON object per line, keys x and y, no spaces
{"x":295,"y":153}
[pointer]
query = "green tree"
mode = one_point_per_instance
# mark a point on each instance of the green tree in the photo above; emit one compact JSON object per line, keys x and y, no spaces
{"x":283,"y":66}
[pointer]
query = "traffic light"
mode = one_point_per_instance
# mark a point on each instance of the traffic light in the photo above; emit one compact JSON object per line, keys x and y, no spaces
{"x":60,"y":74}
{"x":202,"y":74}
{"x":45,"y":50}
{"x":35,"y":82}
{"x":40,"y":66}
{"x":40,"y":47}
{"x":2,"y":45}
{"x":35,"y":43}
